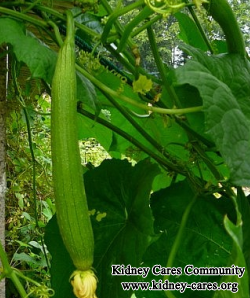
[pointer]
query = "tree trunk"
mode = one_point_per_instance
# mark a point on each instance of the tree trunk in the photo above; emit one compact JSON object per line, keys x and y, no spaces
{"x":2,"y":159}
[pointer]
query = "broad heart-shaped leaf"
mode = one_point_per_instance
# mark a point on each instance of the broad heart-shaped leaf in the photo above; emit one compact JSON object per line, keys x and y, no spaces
{"x":122,"y":221}
{"x":225,"y":106}
{"x":118,"y":199}
{"x":205,"y":243}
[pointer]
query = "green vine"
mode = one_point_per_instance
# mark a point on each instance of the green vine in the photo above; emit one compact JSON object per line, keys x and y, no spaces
{"x":33,"y":158}
{"x":114,"y":16}
{"x":134,"y":103}
{"x":143,"y":15}
{"x":177,"y":242}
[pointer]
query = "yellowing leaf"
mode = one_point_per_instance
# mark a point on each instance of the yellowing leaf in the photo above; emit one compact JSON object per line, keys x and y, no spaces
{"x":142,"y":85}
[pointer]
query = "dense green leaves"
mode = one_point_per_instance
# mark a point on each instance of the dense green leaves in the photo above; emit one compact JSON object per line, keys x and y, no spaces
{"x":223,"y":83}
{"x":132,"y":224}
{"x":205,"y":242}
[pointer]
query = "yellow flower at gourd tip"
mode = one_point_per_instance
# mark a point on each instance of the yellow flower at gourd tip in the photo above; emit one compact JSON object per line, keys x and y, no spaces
{"x":84,"y":283}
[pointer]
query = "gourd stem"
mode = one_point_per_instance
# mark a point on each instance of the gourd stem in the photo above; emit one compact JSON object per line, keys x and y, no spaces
{"x":147,"y":24}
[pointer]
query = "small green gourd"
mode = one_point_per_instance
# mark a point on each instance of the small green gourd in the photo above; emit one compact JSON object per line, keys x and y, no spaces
{"x":70,"y":198}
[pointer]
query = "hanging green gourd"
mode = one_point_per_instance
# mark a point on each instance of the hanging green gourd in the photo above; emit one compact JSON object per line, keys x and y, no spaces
{"x":223,"y":14}
{"x":70,"y":198}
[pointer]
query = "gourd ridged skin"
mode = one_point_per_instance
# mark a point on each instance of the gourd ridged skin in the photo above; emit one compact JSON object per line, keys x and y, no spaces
{"x":222,"y":13}
{"x":70,"y":198}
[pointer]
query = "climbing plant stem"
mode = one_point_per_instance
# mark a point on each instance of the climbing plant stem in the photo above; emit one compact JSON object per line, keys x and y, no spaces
{"x":134,"y":103}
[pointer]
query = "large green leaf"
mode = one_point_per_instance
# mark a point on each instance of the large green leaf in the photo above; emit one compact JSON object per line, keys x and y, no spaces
{"x":224,"y":88}
{"x":40,"y":59}
{"x":120,"y":193}
{"x":118,"y":199}
{"x":190,"y":97}
{"x":233,"y":70}
{"x":205,"y":242}
{"x":86,"y":93}
{"x":89,"y":20}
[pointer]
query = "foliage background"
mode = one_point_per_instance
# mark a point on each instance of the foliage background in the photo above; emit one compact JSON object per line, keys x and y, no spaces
{"x":24,"y":243}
